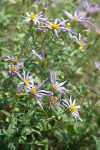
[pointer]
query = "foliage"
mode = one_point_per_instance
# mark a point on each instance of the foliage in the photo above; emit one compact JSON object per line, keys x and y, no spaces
{"x":34,"y":119}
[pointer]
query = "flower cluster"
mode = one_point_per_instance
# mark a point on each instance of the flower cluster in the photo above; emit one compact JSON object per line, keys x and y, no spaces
{"x":28,"y":83}
{"x":43,"y":24}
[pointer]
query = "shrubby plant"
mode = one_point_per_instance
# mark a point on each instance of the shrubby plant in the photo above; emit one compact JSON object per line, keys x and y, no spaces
{"x":49,"y":75}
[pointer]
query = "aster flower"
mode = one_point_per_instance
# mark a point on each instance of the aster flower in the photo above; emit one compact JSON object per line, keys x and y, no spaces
{"x":81,"y":41}
{"x":78,"y":16}
{"x":57,"y":25}
{"x":16,"y":61}
{"x":39,"y":94}
{"x":36,"y":18}
{"x":12,"y":58}
{"x":90,"y":7}
{"x":57,"y":86}
{"x":46,"y":5}
{"x":67,"y":27}
{"x":41,"y":57}
{"x":72,"y":107}
{"x":13,"y":69}
{"x":41,"y":27}
{"x":26,"y":78}
{"x":53,"y":100}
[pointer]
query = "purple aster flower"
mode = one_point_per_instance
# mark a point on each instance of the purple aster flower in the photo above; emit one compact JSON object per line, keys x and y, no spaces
{"x":15,"y":59}
{"x":90,"y":7}
{"x":41,"y":27}
{"x":78,"y":17}
{"x":56,"y":25}
{"x":57,"y":86}
{"x":26,"y":78}
{"x":40,"y":56}
{"x":72,"y":107}
{"x":54,"y":101}
{"x":81,"y":41}
{"x":45,"y":6}
{"x":13,"y":69}
{"x":36,"y":18}
{"x":67,"y":27}
{"x":12,"y":58}
{"x":39,"y":94}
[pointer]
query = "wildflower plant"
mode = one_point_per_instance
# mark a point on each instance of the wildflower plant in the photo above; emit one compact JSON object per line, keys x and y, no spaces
{"x":49,"y":93}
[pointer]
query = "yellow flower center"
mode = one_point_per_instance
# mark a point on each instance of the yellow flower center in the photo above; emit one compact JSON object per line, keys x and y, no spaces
{"x":26,"y":80}
{"x":53,"y":99}
{"x":33,"y":90}
{"x":15,"y":59}
{"x":80,"y":43}
{"x":55,"y":26}
{"x":68,"y":26}
{"x":32,"y":16}
{"x":14,"y":69}
{"x":55,"y":87}
{"x":72,"y":108}
{"x":43,"y":60}
{"x":75,"y":18}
